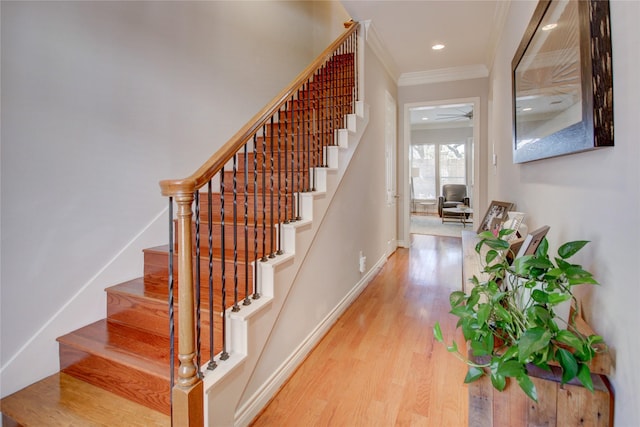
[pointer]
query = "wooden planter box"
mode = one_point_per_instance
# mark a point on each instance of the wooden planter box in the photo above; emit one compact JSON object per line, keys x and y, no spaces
{"x":558,"y":405}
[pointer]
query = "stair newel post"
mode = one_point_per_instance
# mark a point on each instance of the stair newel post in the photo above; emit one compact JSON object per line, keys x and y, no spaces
{"x":187,"y":394}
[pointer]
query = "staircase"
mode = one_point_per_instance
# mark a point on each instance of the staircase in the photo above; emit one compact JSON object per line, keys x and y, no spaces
{"x":248,"y":231}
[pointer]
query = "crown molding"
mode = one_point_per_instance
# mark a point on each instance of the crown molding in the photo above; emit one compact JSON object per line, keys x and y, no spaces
{"x":377,"y":46}
{"x":499,"y":20}
{"x":443,"y":75}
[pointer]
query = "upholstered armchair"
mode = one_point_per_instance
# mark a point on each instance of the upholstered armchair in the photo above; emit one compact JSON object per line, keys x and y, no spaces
{"x":452,"y":196}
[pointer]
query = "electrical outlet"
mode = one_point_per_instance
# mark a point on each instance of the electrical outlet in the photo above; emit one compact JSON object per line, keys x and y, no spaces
{"x":363,"y":263}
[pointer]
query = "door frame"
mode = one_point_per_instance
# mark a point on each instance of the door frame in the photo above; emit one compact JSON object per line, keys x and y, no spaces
{"x":473,"y":180}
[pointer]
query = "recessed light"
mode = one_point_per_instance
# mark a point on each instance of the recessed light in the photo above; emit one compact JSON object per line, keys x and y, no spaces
{"x":425,"y":118}
{"x":549,"y":27}
{"x":437,"y":47}
{"x":527,"y":109}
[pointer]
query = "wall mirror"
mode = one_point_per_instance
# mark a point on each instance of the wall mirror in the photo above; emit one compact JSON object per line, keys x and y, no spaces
{"x":562,"y":81}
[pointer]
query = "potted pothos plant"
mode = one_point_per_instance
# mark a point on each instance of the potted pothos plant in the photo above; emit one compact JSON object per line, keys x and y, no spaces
{"x":511,"y":320}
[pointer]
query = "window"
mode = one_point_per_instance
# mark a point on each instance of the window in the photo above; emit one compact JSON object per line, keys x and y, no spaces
{"x":429,"y":172}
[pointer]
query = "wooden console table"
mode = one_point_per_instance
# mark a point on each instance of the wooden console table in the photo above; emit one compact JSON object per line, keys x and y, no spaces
{"x":558,"y":405}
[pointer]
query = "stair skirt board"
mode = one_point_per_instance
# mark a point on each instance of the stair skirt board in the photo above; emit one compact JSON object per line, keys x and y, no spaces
{"x":224,"y":386}
{"x":252,"y":406}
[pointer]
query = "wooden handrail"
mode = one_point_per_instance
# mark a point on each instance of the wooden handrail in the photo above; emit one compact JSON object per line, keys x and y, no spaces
{"x":175,"y":187}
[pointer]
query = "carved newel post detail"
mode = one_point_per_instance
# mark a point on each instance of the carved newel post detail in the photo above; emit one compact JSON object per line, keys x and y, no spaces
{"x":187,"y":392}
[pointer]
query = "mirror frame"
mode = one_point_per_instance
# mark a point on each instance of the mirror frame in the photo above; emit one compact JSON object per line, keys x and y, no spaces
{"x":596,"y":80}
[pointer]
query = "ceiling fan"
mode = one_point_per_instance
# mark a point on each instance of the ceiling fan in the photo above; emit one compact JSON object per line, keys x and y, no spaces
{"x":462,"y":115}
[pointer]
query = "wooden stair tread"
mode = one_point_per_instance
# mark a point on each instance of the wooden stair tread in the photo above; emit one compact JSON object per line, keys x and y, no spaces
{"x":141,"y":350}
{"x":65,"y":400}
{"x":151,"y":288}
{"x":155,"y":289}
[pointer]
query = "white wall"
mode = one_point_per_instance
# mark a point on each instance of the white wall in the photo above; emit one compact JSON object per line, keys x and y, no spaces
{"x":359,"y":211}
{"x":593,"y":196}
{"x":100,"y":101}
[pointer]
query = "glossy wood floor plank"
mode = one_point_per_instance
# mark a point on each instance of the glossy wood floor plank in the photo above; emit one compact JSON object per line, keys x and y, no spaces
{"x":379,"y":365}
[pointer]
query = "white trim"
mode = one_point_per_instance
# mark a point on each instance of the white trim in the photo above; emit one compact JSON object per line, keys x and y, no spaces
{"x":497,"y":28}
{"x":377,"y":46}
{"x":252,"y":407}
{"x":443,"y":75}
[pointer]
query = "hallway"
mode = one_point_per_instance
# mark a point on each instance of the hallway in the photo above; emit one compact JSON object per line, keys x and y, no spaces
{"x":379,"y":364}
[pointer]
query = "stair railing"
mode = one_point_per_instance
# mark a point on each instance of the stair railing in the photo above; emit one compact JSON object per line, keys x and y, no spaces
{"x":260,"y":172}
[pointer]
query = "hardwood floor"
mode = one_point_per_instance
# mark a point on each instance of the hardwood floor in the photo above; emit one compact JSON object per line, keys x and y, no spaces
{"x":379,"y":364}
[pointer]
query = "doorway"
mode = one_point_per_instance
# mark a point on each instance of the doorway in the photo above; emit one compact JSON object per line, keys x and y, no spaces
{"x":439,"y":149}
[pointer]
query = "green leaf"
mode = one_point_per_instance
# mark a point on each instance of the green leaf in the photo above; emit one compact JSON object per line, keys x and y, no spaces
{"x":486,"y":235}
{"x":491,"y":255}
{"x":576,"y":271}
{"x":553,"y":273}
{"x":484,"y":310}
{"x":497,"y":244}
{"x":538,"y":314}
{"x":497,"y":297}
{"x":532,"y":340}
{"x":468,"y":327}
{"x":498,"y":381}
{"x":541,"y":263}
{"x":483,"y":346}
{"x":583,"y":281}
{"x":543,"y":248}
{"x":540,"y":297}
{"x":473,"y":298}
{"x":556,"y":298}
{"x":511,"y":368}
{"x":461,"y":311}
{"x":569,"y":338}
{"x":570,"y":248}
{"x":511,"y":353}
{"x":502,"y":314}
{"x":505,"y":232}
{"x":584,"y":375}
{"x":473,"y":374}
{"x":568,"y":363}
{"x":520,"y":265}
{"x":528,"y":387}
{"x":453,"y":348}
{"x":456,"y":297}
{"x":437,"y":332}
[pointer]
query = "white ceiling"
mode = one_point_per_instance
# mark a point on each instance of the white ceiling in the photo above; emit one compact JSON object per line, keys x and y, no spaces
{"x":408,"y":29}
